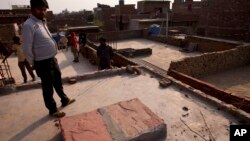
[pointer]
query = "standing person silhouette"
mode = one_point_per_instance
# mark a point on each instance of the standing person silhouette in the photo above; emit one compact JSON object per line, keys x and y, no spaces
{"x":40,"y":50}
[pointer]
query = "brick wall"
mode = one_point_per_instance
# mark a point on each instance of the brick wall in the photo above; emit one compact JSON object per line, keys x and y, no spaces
{"x":212,"y":44}
{"x":182,"y":8}
{"x":118,"y":60}
{"x":56,"y":24}
{"x":186,"y":13}
{"x":116,"y":35}
{"x":18,"y":16}
{"x":145,"y":23}
{"x":104,"y":14}
{"x":183,"y":17}
{"x":170,"y":40}
{"x":149,"y":6}
{"x":226,"y":19}
{"x":8,"y":31}
{"x":125,"y":9}
{"x":237,"y":34}
{"x":215,"y":62}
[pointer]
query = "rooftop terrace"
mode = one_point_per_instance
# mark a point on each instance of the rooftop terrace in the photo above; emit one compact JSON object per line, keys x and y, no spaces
{"x":182,"y":107}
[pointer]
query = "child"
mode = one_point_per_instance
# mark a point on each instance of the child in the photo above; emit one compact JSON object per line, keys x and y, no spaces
{"x":73,"y":41}
{"x":22,"y":62}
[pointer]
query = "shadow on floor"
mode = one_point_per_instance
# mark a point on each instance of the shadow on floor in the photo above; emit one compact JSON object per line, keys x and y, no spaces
{"x":26,"y":131}
{"x":78,"y":69}
{"x":57,"y":137}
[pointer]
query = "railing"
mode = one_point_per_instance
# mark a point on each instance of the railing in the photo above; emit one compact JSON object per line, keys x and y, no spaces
{"x":5,"y":73}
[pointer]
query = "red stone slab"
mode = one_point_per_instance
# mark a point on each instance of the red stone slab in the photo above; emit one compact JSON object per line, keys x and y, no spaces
{"x":124,"y":121}
{"x":84,"y":127}
{"x":133,"y":121}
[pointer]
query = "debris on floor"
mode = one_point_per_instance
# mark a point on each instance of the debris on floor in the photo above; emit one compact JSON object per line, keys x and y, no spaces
{"x":164,"y":83}
{"x":185,"y":108}
{"x":72,"y":80}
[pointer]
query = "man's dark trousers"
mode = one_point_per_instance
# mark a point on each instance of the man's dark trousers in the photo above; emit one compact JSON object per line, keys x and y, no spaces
{"x":49,"y":72}
{"x":104,"y":64}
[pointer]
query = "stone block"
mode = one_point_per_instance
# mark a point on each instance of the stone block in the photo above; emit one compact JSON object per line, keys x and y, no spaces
{"x":133,"y":121}
{"x":84,"y":127}
{"x":124,"y":121}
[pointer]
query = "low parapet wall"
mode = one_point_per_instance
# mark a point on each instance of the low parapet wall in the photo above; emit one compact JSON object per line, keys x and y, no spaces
{"x":116,"y":35}
{"x":118,"y":59}
{"x":211,"y":90}
{"x":206,"y":44}
{"x":171,"y":40}
{"x":210,"y":63}
{"x":131,"y":34}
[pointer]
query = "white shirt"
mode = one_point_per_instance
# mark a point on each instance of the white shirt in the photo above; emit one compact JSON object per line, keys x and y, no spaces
{"x":38,"y":43}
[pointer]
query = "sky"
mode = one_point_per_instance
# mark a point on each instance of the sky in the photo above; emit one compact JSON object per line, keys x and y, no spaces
{"x":72,"y":5}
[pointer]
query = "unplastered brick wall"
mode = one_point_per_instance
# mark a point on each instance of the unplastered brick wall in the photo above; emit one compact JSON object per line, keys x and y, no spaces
{"x":171,"y":40}
{"x":7,"y":31}
{"x":227,"y":19}
{"x":232,"y":33}
{"x":210,"y":63}
{"x":118,"y":59}
{"x":116,"y":35}
{"x":206,"y":44}
{"x":92,"y":56}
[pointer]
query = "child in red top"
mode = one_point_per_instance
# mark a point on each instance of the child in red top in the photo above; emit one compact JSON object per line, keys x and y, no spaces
{"x":74,"y":43}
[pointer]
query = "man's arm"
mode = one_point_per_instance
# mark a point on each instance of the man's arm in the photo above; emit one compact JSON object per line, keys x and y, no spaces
{"x":28,"y":35}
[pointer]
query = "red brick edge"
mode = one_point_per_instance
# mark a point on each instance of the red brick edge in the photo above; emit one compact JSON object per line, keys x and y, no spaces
{"x":212,"y":90}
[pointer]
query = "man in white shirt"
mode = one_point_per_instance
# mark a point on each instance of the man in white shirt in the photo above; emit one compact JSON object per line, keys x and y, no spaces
{"x":40,"y":50}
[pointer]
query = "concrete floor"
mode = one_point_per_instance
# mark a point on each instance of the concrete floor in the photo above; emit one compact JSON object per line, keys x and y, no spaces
{"x":24,"y":116}
{"x":65,"y":58}
{"x":162,"y":54}
{"x":236,"y":81}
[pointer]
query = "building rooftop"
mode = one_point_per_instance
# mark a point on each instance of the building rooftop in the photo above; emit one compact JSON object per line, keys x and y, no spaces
{"x":162,"y":54}
{"x":24,"y":116}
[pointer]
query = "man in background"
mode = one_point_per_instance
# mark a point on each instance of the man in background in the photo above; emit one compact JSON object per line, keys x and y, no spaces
{"x":74,"y":46}
{"x":105,"y":54}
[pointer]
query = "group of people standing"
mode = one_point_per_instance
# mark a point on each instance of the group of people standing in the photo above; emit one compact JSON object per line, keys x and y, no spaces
{"x":38,"y":50}
{"x":104,"y":51}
